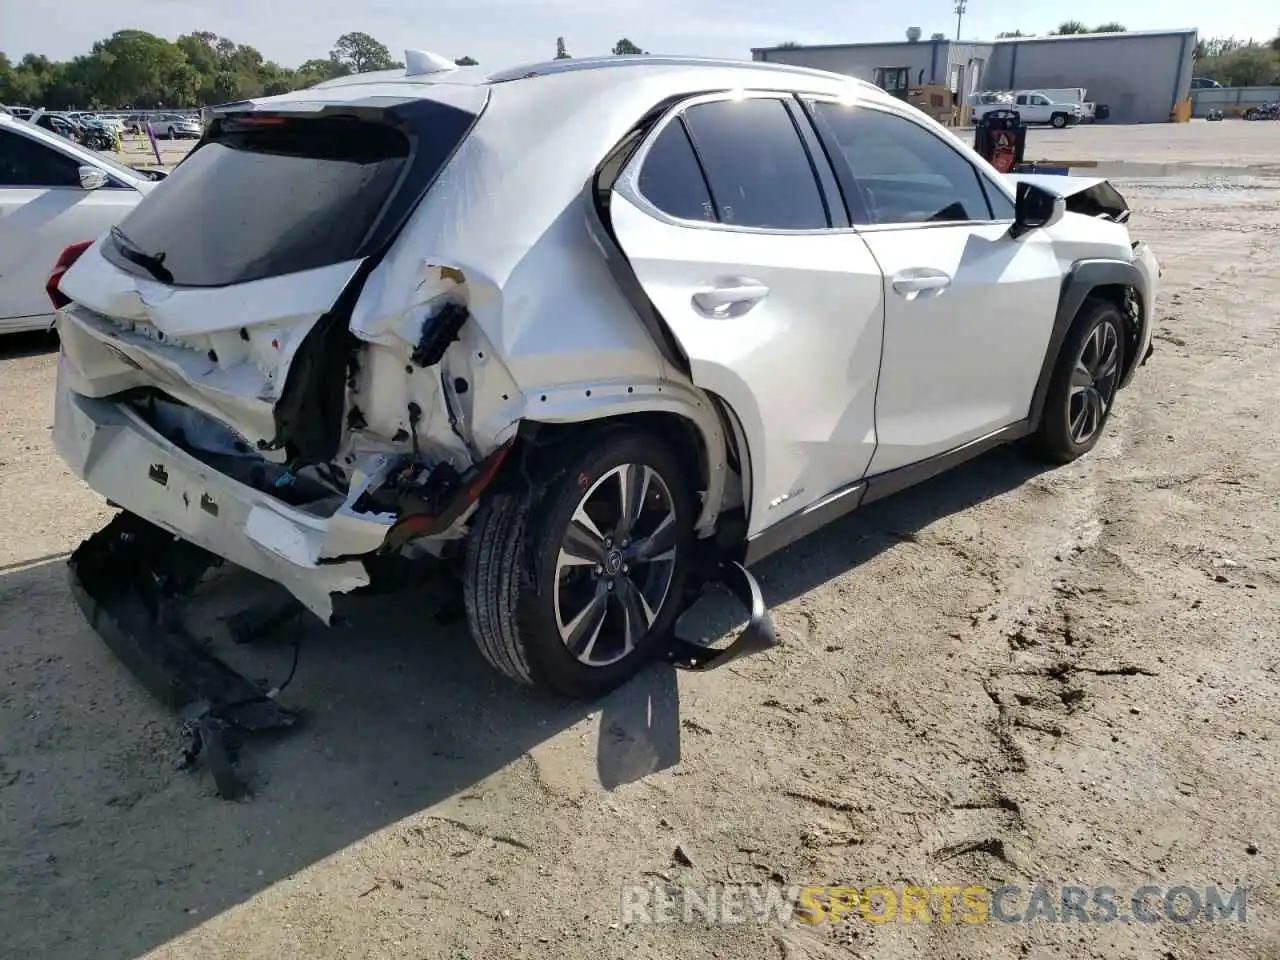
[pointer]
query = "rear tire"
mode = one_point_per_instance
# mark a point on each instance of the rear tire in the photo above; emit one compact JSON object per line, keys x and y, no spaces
{"x":1083,"y":386}
{"x":560,"y":592}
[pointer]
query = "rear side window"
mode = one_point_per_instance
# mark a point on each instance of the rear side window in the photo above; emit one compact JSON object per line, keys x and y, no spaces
{"x":267,"y":196}
{"x":672,"y":180}
{"x":756,"y":164}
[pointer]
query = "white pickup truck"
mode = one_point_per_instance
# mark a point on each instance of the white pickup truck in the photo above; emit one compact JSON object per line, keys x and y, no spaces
{"x":1033,"y":106}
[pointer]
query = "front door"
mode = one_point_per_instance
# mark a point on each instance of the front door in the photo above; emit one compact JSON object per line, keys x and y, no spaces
{"x":968,"y":309}
{"x":780,"y":316}
{"x":44,"y":210}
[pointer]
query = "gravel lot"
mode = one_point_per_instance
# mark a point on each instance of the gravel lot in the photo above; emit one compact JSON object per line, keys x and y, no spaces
{"x":1006,"y":676}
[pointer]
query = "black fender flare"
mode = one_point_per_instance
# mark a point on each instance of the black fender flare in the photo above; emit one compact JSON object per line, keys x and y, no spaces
{"x":1084,"y":277}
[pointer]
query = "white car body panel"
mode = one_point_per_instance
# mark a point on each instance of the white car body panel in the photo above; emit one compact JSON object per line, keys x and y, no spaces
{"x":37,"y":223}
{"x":833,"y":375}
{"x":188,"y":341}
{"x":955,"y":367}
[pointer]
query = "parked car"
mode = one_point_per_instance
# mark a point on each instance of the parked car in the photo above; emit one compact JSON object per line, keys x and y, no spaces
{"x":1204,"y":83}
{"x":1033,"y":106}
{"x":58,"y":123}
{"x":586,"y":331}
{"x":53,"y":193}
{"x":175,"y":126}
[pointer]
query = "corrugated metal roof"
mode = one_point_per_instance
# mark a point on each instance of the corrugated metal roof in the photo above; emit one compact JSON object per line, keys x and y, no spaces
{"x":924,"y":41}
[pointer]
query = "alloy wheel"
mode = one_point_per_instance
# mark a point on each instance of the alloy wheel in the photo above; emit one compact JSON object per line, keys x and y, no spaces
{"x":1093,"y":382}
{"x":616,"y":563}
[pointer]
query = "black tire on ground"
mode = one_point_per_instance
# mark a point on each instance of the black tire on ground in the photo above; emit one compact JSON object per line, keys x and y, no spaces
{"x":1083,"y":384}
{"x":510,"y":573}
{"x":1059,"y":120}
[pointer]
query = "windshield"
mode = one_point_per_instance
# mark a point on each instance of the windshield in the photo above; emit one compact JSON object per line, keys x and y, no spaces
{"x":271,"y":195}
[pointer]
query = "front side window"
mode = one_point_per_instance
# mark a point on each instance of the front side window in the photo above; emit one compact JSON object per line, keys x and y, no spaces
{"x":25,"y":162}
{"x":900,"y":171}
{"x":756,"y":164}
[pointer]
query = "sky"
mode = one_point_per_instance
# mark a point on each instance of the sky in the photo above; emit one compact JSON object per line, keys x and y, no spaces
{"x":502,"y":33}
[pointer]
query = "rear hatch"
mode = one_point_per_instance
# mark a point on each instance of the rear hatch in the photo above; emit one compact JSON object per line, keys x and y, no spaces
{"x":230,"y":286}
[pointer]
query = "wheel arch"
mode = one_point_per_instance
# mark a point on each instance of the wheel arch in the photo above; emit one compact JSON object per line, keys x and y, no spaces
{"x":696,"y":431}
{"x":1117,"y":282}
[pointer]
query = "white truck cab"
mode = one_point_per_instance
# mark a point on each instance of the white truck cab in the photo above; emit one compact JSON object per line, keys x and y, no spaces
{"x":1034,"y":106}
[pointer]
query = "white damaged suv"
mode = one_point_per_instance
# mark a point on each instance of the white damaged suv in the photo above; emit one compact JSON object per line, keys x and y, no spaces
{"x":574,"y":328}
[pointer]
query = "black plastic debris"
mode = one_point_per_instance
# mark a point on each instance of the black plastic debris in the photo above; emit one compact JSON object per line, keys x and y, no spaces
{"x":757,"y":636}
{"x":128,"y":578}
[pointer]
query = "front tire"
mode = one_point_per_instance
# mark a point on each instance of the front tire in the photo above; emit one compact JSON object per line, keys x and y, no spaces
{"x":1082,"y":388}
{"x":571,"y":584}
{"x":1058,"y":120}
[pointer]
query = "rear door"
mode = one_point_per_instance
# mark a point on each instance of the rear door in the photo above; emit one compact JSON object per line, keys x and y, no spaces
{"x":215,"y":283}
{"x":776,"y":302}
{"x":43,"y":210}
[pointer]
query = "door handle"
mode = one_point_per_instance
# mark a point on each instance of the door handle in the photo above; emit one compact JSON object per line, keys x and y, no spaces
{"x":909,"y":284}
{"x":730,"y":299}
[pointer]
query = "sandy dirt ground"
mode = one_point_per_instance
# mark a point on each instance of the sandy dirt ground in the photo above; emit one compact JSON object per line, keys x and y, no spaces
{"x":1007,"y":676}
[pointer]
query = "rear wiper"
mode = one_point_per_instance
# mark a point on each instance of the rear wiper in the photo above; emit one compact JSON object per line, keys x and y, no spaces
{"x":152,"y":263}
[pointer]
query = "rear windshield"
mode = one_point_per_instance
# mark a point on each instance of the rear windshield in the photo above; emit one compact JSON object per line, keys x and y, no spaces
{"x":269,"y":195}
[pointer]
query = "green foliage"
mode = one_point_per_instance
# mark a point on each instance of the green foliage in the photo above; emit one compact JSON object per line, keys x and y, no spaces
{"x":625,"y":48}
{"x":1111,"y":27}
{"x":1234,"y":63}
{"x":467,"y":62}
{"x":561,"y":52}
{"x":360,"y":53}
{"x":1069,"y":27}
{"x":1012,"y":34}
{"x":133,"y":68}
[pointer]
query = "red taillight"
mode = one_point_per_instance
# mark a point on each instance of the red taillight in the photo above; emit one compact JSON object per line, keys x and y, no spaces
{"x":65,"y":260}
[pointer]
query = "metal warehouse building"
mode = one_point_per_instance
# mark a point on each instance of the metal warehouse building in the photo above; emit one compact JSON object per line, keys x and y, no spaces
{"x":1140,"y":75}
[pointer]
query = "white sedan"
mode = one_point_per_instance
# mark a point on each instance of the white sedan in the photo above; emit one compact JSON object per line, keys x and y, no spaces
{"x":53,"y":194}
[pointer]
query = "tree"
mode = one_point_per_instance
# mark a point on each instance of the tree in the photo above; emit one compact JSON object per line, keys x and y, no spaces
{"x":360,"y":53}
{"x":467,"y":62}
{"x":625,"y":48}
{"x":1111,"y":27}
{"x":1233,"y":63}
{"x":561,"y":52}
{"x":1012,"y":34}
{"x":136,"y":67}
{"x":1275,"y":42}
{"x":788,"y":45}
{"x":1069,"y":27}
{"x":319,"y":70}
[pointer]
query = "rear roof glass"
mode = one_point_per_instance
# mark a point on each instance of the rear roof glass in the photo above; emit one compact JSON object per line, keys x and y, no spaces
{"x":268,"y":195}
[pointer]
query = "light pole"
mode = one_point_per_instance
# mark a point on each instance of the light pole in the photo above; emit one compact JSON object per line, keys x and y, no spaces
{"x":961,"y":6}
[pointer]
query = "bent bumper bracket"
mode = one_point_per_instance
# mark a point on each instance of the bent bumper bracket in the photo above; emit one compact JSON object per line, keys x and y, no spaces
{"x":126,"y":578}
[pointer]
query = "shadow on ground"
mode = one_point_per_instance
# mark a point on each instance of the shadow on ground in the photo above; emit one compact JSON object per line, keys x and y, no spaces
{"x":30,"y":344}
{"x":400,"y":714}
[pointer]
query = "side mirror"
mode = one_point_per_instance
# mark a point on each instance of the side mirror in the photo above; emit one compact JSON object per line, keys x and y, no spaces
{"x":1036,"y":208}
{"x":91,"y":178}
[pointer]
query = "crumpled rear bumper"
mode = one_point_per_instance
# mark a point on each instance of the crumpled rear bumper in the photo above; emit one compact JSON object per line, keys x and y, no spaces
{"x":120,"y":456}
